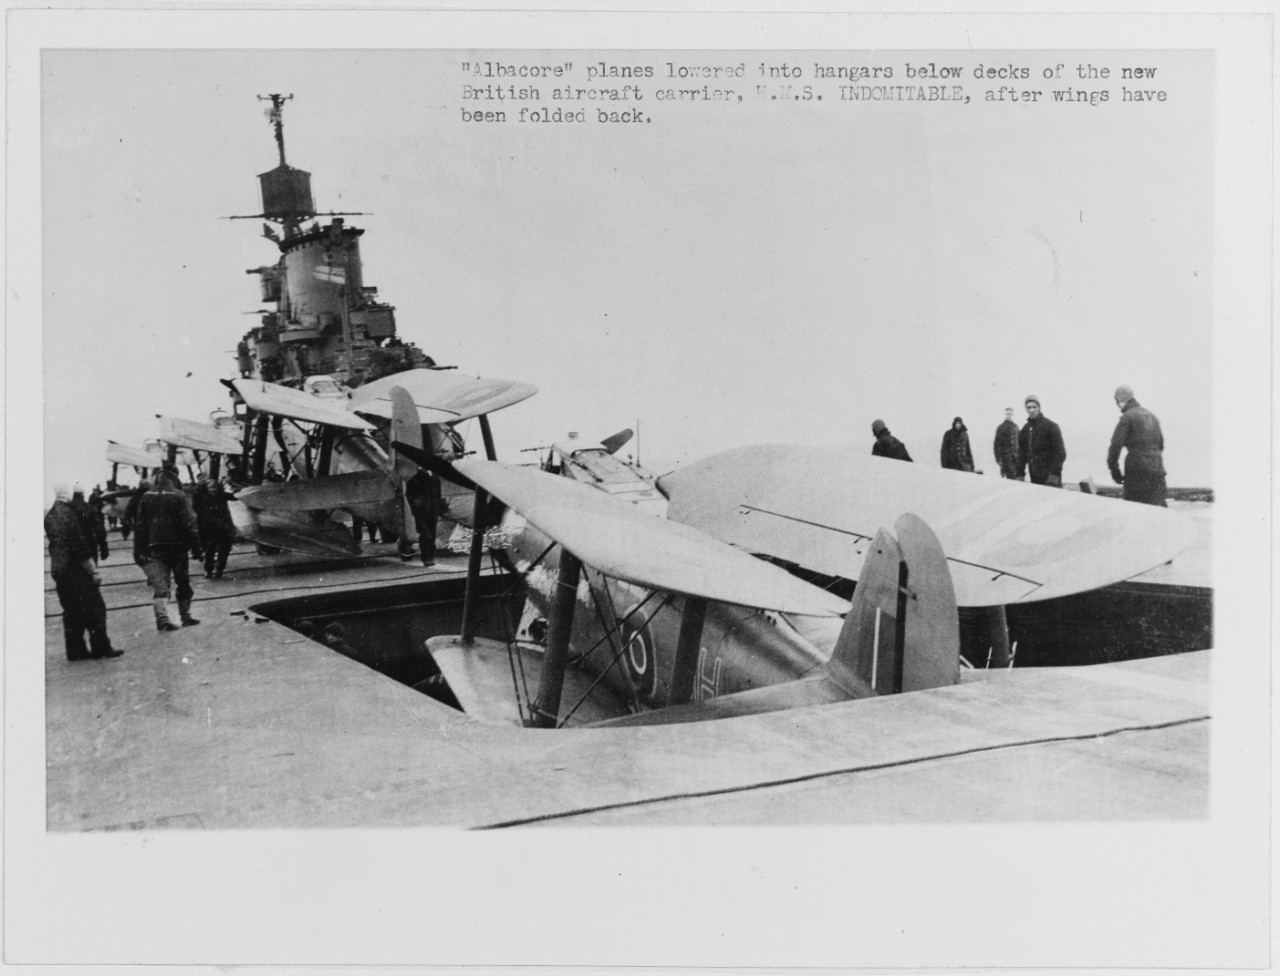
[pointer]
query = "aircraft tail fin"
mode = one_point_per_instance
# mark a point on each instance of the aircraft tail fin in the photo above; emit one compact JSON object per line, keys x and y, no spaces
{"x":902,"y":632}
{"x":406,"y":428}
{"x":614,"y":442}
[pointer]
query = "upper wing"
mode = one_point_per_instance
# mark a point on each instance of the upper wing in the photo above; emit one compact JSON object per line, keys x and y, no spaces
{"x":135,"y":457}
{"x":142,"y":457}
{"x":198,"y":436}
{"x":1005,"y":541}
{"x":284,"y":401}
{"x":441,"y":397}
{"x":623,"y":542}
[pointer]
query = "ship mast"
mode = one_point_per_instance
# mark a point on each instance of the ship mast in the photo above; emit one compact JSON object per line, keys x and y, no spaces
{"x":275,"y":115}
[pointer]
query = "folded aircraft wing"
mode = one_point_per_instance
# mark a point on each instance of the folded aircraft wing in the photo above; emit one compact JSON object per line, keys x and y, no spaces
{"x":197,"y":436}
{"x":1005,"y":541}
{"x":441,"y":397}
{"x":624,"y":542}
{"x":284,"y":401}
{"x":330,"y":491}
{"x":135,"y":457}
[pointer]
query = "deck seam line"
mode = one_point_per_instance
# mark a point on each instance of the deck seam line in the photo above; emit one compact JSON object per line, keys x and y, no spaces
{"x":360,"y":584}
{"x":811,"y":777}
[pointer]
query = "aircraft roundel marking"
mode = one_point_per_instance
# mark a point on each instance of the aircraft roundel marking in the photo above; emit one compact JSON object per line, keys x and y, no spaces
{"x":638,"y":653}
{"x":639,"y":657}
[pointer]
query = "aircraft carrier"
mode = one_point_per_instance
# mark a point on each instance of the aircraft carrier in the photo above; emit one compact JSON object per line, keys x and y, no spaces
{"x":304,"y":699}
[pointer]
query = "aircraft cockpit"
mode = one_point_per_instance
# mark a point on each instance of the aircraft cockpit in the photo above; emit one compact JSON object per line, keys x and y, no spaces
{"x":324,"y":387}
{"x":601,"y":467}
{"x":595,"y":466}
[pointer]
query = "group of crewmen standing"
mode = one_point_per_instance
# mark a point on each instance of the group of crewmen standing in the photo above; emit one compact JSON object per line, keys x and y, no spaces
{"x":166,"y":527}
{"x":1037,"y":449}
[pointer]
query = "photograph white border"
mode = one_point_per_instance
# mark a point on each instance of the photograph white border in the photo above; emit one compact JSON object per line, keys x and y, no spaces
{"x":1193,"y":895}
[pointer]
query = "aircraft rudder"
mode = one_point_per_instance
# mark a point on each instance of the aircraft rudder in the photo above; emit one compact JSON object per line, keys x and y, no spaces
{"x":905,"y":583}
{"x":932,"y":635}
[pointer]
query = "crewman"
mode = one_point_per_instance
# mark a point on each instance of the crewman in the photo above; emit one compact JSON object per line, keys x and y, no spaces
{"x":71,"y":553}
{"x":955,"y":452}
{"x":1006,"y":445}
{"x":422,"y":493}
{"x":1040,"y":447}
{"x":886,"y":444}
{"x":165,"y":532}
{"x":1139,"y":432}
{"x":213,"y":522}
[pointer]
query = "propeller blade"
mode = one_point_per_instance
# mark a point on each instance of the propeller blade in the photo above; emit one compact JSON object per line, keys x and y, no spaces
{"x":435,"y":464}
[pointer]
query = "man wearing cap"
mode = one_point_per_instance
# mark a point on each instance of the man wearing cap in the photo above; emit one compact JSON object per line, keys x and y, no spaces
{"x":1006,"y":445}
{"x":71,"y":553}
{"x":1040,"y":447}
{"x":886,"y":444}
{"x":166,"y":530}
{"x":1139,"y":433}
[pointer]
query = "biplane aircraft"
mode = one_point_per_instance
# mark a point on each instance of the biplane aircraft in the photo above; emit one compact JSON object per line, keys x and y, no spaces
{"x":115,"y":500}
{"x":146,"y":458}
{"x":207,"y":443}
{"x":333,"y":444}
{"x":143,"y":460}
{"x":182,"y":443}
{"x":645,"y":602}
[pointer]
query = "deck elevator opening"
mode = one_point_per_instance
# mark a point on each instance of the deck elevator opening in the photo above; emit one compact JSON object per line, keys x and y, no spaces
{"x":386,"y":628}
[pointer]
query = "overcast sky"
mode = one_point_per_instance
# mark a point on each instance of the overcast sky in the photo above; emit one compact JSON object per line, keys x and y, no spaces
{"x":725,"y":274}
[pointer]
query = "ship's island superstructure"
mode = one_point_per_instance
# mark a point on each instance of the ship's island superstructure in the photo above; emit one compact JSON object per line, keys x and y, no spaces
{"x":326,"y":320}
